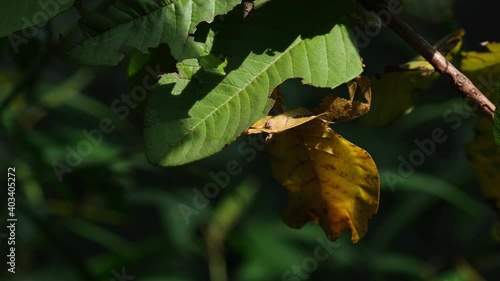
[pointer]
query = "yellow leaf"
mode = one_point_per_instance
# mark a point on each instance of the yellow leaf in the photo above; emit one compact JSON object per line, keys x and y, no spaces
{"x":484,"y":156}
{"x":330,"y":181}
{"x":393,"y":95}
{"x":474,"y":61}
{"x":279,"y":123}
{"x":393,"y":90}
{"x":483,"y":69}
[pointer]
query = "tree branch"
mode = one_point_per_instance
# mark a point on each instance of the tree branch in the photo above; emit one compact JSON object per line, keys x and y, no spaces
{"x":436,"y":59}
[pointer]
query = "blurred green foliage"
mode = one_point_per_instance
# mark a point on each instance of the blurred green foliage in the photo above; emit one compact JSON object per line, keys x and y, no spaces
{"x":116,"y":213}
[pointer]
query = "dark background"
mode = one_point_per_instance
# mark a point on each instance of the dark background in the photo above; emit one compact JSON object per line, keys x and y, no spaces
{"x":117,"y":212}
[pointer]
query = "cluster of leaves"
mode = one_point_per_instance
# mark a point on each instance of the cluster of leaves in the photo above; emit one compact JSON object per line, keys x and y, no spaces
{"x":229,"y":60}
{"x":223,"y":82}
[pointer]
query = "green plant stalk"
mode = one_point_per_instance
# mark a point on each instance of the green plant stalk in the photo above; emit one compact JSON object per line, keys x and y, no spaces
{"x":225,"y":217}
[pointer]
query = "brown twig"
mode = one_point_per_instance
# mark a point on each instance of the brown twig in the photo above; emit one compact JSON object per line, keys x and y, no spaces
{"x":436,"y":59}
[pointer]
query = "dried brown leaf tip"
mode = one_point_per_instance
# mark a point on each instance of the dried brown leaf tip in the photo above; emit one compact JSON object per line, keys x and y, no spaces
{"x":336,"y":109}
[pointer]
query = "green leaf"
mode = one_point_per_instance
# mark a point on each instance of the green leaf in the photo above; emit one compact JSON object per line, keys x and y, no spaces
{"x":19,"y":14}
{"x":213,"y":64}
{"x":144,"y":24}
{"x":296,"y":40}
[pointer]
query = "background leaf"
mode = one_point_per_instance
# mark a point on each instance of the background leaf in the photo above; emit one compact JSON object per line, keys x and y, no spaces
{"x":484,"y":156}
{"x":435,"y":11}
{"x":20,"y":14}
{"x":393,"y":91}
{"x":393,"y":95}
{"x":483,"y":68}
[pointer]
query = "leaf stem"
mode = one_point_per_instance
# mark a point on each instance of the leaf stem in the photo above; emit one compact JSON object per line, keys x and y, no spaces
{"x":436,"y":59}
